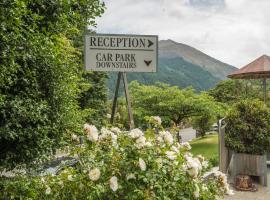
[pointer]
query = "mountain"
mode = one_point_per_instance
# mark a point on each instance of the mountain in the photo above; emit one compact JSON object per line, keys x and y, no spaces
{"x":181,"y":65}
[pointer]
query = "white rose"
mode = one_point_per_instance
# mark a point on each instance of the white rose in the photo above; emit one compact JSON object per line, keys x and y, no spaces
{"x":94,"y":174}
{"x":140,"y":142}
{"x":48,"y":190}
{"x":114,"y":183}
{"x":186,"y":146}
{"x":193,"y":172}
{"x":175,"y":149}
{"x":142,"y":164}
{"x":91,"y":132}
{"x":148,"y":144}
{"x":160,"y":139}
{"x":157,"y":119}
{"x":74,"y":137}
{"x":167,"y":137}
{"x":171,"y":155}
{"x":130,"y":176}
{"x":115,"y":130}
{"x":104,"y":133}
{"x":70,"y":178}
{"x":135,"y":133}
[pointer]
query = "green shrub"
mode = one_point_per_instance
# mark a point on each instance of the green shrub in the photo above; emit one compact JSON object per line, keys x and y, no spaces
{"x":248,"y":127}
{"x":124,"y":165}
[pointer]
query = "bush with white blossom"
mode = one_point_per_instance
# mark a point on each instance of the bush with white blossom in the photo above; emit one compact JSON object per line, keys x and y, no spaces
{"x":124,"y":165}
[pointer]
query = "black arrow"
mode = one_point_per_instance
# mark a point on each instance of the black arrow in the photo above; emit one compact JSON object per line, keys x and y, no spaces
{"x":150,"y":43}
{"x":147,"y":62}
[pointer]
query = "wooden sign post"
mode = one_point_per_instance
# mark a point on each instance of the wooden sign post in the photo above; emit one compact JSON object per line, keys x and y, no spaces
{"x":123,"y":76}
{"x":121,"y":53}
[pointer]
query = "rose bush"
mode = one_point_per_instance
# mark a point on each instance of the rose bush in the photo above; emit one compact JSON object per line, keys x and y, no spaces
{"x":124,"y":165}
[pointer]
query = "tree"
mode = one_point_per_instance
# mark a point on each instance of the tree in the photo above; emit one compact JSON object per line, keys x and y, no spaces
{"x":169,"y":101}
{"x":93,"y":99}
{"x":41,"y":67}
{"x":230,"y":91}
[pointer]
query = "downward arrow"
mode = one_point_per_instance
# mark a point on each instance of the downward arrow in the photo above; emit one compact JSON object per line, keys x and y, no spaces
{"x":150,"y":43}
{"x":147,"y":62}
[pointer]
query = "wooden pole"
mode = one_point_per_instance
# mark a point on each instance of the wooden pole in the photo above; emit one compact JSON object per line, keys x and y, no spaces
{"x":115,"y":96}
{"x":130,"y":114}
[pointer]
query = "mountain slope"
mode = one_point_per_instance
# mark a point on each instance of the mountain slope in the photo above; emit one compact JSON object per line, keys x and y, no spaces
{"x":171,"y":49}
{"x":183,"y":66}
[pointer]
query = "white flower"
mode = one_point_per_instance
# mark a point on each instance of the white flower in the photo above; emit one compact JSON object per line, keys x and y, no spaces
{"x":186,"y":146}
{"x":205,"y":164}
{"x":91,"y":132}
{"x":108,"y":116}
{"x":48,"y":190}
{"x":115,"y":130}
{"x":160,"y":139}
{"x":193,"y":172}
{"x":70,"y":178}
{"x":140,"y":142}
{"x":42,"y":180}
{"x":175,"y":149}
{"x":130,"y":176}
{"x":104,"y":133}
{"x":193,"y":166}
{"x":157,"y":119}
{"x":167,"y":137}
{"x":135,"y":133}
{"x":114,"y":139}
{"x":94,"y":174}
{"x":114,"y":183}
{"x":74,"y":137}
{"x":142,"y":164}
{"x":171,"y":155}
{"x":148,"y":144}
{"x":196,"y":193}
{"x":204,"y":187}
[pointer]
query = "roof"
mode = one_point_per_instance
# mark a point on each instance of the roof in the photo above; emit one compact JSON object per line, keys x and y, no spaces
{"x":259,"y":68}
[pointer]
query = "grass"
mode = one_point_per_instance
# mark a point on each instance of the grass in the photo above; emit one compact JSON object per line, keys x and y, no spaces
{"x":206,"y":146}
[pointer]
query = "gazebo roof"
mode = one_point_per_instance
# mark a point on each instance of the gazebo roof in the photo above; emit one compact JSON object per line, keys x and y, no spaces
{"x":259,"y":68}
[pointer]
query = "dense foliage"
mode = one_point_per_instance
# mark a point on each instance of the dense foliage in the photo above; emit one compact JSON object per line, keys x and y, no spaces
{"x":124,"y":165}
{"x":40,"y":73}
{"x":248,"y":128}
{"x":230,"y":91}
{"x":93,"y":99}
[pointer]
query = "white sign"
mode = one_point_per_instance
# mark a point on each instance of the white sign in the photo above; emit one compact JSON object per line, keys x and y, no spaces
{"x":121,"y":53}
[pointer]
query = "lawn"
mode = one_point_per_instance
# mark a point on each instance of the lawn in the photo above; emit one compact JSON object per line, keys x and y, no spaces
{"x":206,"y":146}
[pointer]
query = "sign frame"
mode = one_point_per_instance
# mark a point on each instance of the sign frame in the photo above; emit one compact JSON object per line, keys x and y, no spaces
{"x":123,"y":35}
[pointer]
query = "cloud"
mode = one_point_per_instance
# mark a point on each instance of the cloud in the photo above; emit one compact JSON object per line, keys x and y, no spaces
{"x":233,"y":31}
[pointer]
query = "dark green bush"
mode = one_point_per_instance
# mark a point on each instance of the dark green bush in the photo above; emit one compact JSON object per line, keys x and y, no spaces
{"x":40,"y":73}
{"x":248,"y":127}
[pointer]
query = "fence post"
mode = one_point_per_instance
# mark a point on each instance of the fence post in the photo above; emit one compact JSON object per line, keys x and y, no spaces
{"x":223,"y":151}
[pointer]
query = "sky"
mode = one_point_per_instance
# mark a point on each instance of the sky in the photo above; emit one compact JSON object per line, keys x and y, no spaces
{"x":233,"y":31}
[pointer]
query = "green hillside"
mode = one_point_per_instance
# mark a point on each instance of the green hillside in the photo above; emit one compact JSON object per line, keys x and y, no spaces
{"x":174,"y":71}
{"x":183,"y":66}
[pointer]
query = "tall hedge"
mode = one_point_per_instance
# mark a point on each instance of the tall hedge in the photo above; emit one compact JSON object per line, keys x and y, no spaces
{"x":248,"y":128}
{"x":40,"y":74}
